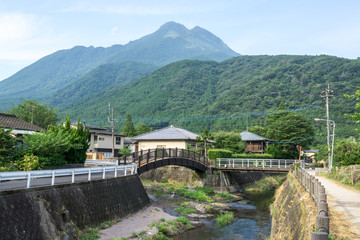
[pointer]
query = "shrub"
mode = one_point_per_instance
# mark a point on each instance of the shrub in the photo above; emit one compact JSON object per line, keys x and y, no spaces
{"x":253,"y":156}
{"x":28,"y":163}
{"x":219,"y":153}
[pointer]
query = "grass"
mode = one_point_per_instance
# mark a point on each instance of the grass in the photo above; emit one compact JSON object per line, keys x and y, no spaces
{"x":228,"y":196}
{"x":267,"y":184}
{"x":89,"y":233}
{"x":186,"y":211}
{"x":225,"y":218}
{"x":169,"y":228}
{"x":198,"y":195}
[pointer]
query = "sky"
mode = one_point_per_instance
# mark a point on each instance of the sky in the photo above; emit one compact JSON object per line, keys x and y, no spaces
{"x":30,"y":30}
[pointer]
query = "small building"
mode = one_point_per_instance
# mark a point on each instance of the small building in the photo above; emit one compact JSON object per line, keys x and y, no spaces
{"x":169,"y":137}
{"x":254,"y":142}
{"x":18,"y":126}
{"x":101,"y":142}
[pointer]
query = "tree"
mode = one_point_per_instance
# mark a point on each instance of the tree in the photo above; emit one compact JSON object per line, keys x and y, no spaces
{"x":129,"y":129}
{"x":259,"y":130}
{"x":7,"y":146}
{"x":230,"y":141}
{"x":356,"y":115}
{"x":141,"y":128}
{"x":49,"y":147}
{"x":78,"y":139}
{"x":288,"y":130}
{"x":32,"y":111}
{"x":59,"y":145}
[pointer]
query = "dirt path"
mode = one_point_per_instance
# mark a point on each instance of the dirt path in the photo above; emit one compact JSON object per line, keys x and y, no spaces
{"x":342,"y":200}
{"x":135,"y":223}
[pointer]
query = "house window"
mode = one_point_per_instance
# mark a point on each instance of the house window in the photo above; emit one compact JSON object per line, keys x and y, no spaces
{"x":118,"y":140}
{"x":101,"y":139}
{"x":95,"y":139}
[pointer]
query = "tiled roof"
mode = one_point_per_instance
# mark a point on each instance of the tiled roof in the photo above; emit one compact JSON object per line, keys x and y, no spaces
{"x":249,"y":136}
{"x":12,"y":121}
{"x":168,"y":133}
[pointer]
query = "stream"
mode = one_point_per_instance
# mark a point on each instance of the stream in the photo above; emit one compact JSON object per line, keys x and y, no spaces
{"x":253,"y":221}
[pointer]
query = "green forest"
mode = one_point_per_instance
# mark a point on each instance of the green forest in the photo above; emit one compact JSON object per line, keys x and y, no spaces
{"x":231,"y":95}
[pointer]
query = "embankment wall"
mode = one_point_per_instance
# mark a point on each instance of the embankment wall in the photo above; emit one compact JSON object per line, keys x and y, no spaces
{"x":56,"y":212}
{"x":293,"y":211}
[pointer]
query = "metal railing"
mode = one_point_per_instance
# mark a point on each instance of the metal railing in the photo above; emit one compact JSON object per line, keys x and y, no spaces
{"x":30,"y":175}
{"x":97,"y":162}
{"x":257,"y":163}
{"x":317,"y":192}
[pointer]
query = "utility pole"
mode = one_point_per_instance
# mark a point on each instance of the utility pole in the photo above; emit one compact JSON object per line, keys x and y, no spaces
{"x":112,"y":127}
{"x":326,"y":94}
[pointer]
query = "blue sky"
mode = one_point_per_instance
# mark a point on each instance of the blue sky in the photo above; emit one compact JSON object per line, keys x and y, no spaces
{"x":32,"y":29}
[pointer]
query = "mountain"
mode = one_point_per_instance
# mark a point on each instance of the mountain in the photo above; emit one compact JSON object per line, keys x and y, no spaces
{"x":231,"y":94}
{"x":172,"y":42}
{"x":99,"y":81}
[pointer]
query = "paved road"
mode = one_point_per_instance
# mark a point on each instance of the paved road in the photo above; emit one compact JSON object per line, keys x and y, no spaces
{"x":20,"y":184}
{"x":342,"y":199}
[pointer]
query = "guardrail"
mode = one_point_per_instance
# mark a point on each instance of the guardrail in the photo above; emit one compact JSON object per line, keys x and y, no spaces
{"x":317,"y":192}
{"x":29,"y":175}
{"x":97,"y":162}
{"x":258,"y":163}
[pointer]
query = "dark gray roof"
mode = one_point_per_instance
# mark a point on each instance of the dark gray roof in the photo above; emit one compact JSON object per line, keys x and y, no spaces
{"x":12,"y":121}
{"x":128,"y":141}
{"x":249,"y":136}
{"x":168,"y":133}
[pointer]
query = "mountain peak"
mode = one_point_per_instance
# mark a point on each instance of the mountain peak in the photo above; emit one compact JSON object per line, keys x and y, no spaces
{"x":173,"y":26}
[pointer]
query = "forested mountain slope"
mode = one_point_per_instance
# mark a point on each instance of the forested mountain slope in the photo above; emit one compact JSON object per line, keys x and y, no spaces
{"x":172,"y":42}
{"x":230,"y":94}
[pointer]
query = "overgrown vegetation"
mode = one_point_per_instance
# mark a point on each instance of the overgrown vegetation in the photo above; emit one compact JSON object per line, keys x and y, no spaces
{"x":347,"y":175}
{"x":269,"y":183}
{"x":61,"y":144}
{"x":225,"y":218}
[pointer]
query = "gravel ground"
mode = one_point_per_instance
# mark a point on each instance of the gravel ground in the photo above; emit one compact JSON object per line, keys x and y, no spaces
{"x":135,"y":223}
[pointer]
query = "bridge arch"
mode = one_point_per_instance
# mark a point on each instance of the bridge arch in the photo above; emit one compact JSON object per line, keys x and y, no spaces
{"x":154,"y":158}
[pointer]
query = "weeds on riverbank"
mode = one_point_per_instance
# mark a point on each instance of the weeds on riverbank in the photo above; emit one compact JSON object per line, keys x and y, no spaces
{"x":92,"y":233}
{"x":266,"y":184}
{"x":225,"y":218}
{"x":347,"y":175}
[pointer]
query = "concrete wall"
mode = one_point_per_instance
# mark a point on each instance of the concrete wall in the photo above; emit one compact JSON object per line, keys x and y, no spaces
{"x":144,"y":145}
{"x":56,"y":212}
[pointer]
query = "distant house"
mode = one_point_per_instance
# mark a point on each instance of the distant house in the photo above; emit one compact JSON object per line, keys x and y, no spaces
{"x":169,"y":137}
{"x":130,"y":144}
{"x":254,"y":142}
{"x":101,"y":142}
{"x":19,"y":127}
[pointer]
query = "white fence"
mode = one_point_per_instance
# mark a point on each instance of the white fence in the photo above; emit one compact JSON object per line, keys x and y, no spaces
{"x":29,"y":175}
{"x":258,"y":163}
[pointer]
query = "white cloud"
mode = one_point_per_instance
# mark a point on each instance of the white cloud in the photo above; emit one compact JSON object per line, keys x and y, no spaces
{"x":15,"y":26}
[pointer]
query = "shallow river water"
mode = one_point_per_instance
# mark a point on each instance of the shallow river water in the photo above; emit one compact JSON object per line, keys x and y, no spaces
{"x":253,"y":222}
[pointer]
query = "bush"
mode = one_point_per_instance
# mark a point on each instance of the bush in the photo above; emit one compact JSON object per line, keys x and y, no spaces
{"x":253,"y":156}
{"x":219,"y":153}
{"x":28,"y":163}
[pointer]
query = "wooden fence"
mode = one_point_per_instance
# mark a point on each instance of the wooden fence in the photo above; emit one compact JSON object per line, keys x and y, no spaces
{"x":317,"y":192}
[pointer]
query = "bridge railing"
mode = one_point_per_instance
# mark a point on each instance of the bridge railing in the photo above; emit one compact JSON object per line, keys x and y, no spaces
{"x":31,"y":175}
{"x":257,"y":163}
{"x":152,"y":155}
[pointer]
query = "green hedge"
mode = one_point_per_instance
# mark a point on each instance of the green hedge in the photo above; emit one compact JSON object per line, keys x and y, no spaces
{"x":253,"y":156}
{"x":219,"y":153}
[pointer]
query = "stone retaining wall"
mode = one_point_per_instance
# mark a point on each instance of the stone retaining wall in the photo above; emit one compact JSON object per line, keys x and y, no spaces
{"x":56,"y":212}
